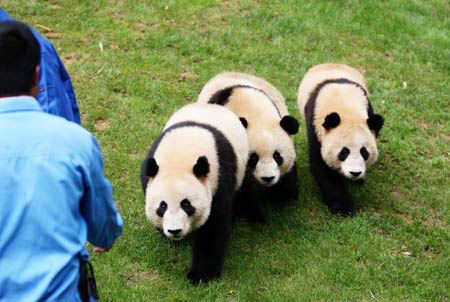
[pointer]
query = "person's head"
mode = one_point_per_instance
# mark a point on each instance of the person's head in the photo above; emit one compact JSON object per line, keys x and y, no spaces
{"x":19,"y":60}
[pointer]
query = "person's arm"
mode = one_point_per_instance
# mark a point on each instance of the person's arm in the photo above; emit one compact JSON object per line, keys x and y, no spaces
{"x":104,"y":223}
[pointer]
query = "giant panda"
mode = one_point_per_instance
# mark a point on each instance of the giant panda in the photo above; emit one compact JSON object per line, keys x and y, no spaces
{"x":190,"y":176}
{"x":342,"y":128}
{"x":271,"y":173}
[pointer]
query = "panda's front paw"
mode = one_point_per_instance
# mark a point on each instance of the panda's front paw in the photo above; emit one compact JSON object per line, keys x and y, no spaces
{"x":197,"y":277}
{"x":255,"y":217}
{"x":344,"y":211}
{"x":252,"y":215}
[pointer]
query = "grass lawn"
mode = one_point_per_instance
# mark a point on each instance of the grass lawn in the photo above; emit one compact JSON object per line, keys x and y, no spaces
{"x":133,"y":63}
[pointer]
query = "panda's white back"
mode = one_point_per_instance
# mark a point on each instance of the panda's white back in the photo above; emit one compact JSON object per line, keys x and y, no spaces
{"x":222,"y":119}
{"x":179,"y":150}
{"x":322,"y":72}
{"x":228,"y":79}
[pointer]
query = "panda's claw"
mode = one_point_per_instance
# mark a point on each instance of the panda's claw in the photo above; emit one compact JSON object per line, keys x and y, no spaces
{"x":197,"y":278}
{"x":344,"y":211}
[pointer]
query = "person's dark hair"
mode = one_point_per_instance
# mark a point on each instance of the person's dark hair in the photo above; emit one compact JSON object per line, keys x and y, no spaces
{"x":19,"y":55}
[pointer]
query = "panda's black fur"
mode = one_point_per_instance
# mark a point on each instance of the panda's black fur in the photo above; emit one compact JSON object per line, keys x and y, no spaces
{"x":252,"y":197}
{"x":211,"y":238}
{"x":222,"y":96}
{"x":332,"y":184}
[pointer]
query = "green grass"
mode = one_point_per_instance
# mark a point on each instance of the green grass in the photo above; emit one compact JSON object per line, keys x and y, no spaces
{"x":156,"y":57}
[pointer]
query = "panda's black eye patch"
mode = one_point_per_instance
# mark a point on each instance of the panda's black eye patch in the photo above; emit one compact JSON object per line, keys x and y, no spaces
{"x":364,"y":153}
{"x":187,"y":207}
{"x":161,"y":209}
{"x":277,"y":157}
{"x":253,"y":160}
{"x":345,"y":152}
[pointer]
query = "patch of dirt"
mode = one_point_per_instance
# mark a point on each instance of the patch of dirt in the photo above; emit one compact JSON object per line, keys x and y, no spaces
{"x":183,"y":77}
{"x":48,"y":32}
{"x":423,"y":124}
{"x":170,"y":22}
{"x":101,"y":124}
{"x":52,"y":35}
{"x":398,"y":195}
{"x":446,"y":137}
{"x":113,"y":46}
{"x":416,"y":204}
{"x":84,"y":117}
{"x":71,"y":58}
{"x":435,"y":221}
{"x":197,"y":61}
{"x":201,"y":27}
{"x":225,"y":6}
{"x":140,"y":27}
{"x":150,"y":276}
{"x":388,"y":56}
{"x":129,"y":279}
{"x":404,"y":250}
{"x":407,"y":219}
{"x":135,"y":154}
{"x":362,"y":69}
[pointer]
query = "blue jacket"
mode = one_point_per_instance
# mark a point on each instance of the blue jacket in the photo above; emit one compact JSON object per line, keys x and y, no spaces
{"x":56,"y":95}
{"x":53,"y":198}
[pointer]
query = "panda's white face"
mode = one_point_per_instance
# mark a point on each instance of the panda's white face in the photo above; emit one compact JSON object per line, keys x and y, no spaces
{"x":350,"y":150}
{"x":178,"y":205}
{"x":272,"y":154}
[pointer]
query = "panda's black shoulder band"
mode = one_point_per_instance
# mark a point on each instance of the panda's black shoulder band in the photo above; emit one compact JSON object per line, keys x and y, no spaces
{"x":225,"y":153}
{"x":316,"y":91}
{"x":222,"y":96}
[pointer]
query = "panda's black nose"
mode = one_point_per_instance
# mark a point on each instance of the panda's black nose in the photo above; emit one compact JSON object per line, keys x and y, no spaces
{"x":174,"y":232}
{"x":268,"y":179}
{"x":355,"y":173}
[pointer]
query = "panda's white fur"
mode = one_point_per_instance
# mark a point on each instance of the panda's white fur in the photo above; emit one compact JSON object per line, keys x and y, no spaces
{"x":226,"y":122}
{"x":176,"y":155}
{"x":350,"y":102}
{"x":263,"y":109}
{"x":230,"y":78}
{"x":342,"y":129}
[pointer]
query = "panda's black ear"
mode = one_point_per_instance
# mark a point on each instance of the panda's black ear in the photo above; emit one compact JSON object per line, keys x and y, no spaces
{"x":375,"y":123}
{"x":201,"y":168}
{"x":244,"y":122}
{"x":332,"y":120}
{"x":151,"y":167}
{"x":289,"y":124}
{"x":221,"y":97}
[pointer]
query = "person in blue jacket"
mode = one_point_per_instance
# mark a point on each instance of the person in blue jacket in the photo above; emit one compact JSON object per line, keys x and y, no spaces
{"x":56,"y":95}
{"x":54,"y":196}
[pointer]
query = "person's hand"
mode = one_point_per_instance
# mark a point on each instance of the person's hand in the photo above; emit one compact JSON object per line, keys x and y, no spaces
{"x":101,"y":250}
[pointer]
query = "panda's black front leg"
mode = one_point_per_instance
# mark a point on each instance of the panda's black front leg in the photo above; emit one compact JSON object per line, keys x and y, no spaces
{"x":210,"y":245}
{"x":332,"y":186}
{"x":286,"y":190}
{"x":248,"y":201}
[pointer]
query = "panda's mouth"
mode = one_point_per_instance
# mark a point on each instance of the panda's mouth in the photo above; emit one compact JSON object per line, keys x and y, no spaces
{"x":356,"y":178}
{"x":176,"y":237}
{"x":267,"y":181}
{"x":174,"y":234}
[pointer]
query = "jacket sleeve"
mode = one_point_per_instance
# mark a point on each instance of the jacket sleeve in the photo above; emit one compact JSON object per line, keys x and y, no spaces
{"x":104,"y":222}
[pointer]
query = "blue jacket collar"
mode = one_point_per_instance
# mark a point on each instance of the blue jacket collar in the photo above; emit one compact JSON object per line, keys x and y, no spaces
{"x":19,"y":103}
